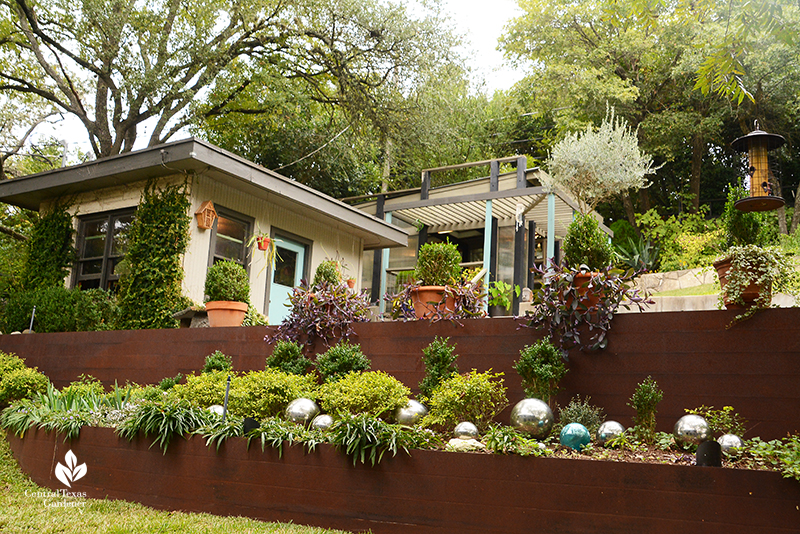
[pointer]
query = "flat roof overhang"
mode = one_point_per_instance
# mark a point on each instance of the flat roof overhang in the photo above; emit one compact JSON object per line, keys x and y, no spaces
{"x":196,"y":156}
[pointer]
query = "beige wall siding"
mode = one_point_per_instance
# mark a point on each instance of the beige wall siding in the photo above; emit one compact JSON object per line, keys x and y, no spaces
{"x":327,"y":241}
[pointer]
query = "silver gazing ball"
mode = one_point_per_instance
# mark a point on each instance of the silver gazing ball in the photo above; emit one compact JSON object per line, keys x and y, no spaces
{"x":322,"y":422}
{"x":216,"y":408}
{"x":410,"y":414}
{"x":730,"y":442}
{"x":466,"y":430}
{"x":301,"y":411}
{"x":608,"y":431}
{"x":692,"y":429}
{"x":534,"y":417}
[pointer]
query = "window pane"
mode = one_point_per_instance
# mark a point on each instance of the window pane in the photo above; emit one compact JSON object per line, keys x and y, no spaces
{"x":94,"y":242}
{"x":91,"y":267}
{"x":230,"y":250}
{"x":234,"y":230}
{"x":89,"y":284}
{"x":119,"y":243}
{"x":285,"y":267}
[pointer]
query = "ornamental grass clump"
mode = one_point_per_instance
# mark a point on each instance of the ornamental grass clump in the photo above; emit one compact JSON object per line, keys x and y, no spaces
{"x":474,"y":397}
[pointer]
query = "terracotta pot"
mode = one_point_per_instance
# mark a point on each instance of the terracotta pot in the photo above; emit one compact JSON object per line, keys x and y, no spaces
{"x":226,"y":312}
{"x":351,"y":283}
{"x":428,"y":300}
{"x":588,"y":297}
{"x":263,"y":242}
{"x":749,"y":295}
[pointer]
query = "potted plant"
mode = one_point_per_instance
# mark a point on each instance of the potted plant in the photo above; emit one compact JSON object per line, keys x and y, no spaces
{"x":500,"y":295}
{"x":588,"y":251}
{"x":749,"y":274}
{"x":438,"y":265}
{"x":227,"y":294}
{"x":262,"y":242}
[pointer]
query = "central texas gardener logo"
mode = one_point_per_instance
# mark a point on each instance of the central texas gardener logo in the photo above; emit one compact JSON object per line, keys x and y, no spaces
{"x":71,"y":472}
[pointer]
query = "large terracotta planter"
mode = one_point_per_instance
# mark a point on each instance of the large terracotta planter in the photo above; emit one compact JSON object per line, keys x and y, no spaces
{"x":428,"y":300}
{"x":749,"y":295}
{"x":588,"y":297}
{"x":226,"y":312}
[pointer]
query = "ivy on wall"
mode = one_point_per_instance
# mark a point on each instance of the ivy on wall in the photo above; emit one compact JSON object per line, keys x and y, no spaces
{"x":150,"y":286}
{"x":50,"y":250}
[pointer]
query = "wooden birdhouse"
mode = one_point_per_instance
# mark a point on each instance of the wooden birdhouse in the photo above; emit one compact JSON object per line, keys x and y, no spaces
{"x":206,"y":215}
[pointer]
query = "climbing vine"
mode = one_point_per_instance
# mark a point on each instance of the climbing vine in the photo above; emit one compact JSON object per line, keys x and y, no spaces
{"x":150,"y":286}
{"x":50,"y":250}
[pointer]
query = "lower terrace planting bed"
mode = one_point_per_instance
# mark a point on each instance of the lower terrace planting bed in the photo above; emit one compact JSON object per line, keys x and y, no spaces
{"x":429,"y":491}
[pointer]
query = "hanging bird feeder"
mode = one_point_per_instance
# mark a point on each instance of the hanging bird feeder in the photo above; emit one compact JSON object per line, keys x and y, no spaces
{"x":763,"y":184}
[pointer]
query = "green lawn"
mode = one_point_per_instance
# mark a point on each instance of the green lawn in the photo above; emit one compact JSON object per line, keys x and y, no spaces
{"x":26,"y":513}
{"x":704,"y":289}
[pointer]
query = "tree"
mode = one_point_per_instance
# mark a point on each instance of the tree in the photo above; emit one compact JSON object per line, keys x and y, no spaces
{"x":596,"y":165}
{"x":115,"y":64}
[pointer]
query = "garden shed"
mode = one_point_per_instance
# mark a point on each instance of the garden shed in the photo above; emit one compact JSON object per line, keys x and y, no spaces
{"x":232,"y":200}
{"x":506,"y":222}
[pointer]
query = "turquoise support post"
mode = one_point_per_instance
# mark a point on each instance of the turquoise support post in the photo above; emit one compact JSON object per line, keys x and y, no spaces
{"x":487,"y":249}
{"x":384,"y":267}
{"x":551,"y":228}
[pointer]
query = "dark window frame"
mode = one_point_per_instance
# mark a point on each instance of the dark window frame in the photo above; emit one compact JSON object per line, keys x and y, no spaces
{"x":249,"y":223}
{"x":105,"y":276}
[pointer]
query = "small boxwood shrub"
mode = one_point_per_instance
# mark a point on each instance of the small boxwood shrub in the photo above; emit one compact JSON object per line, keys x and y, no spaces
{"x":474,"y":397}
{"x":440,"y":363}
{"x":262,"y":394}
{"x":227,"y":280}
{"x":21,"y":384}
{"x":541,"y":367}
{"x":373,"y":392}
{"x":341,"y":359}
{"x":287,"y":356}
{"x":168,"y":382}
{"x":217,"y":361}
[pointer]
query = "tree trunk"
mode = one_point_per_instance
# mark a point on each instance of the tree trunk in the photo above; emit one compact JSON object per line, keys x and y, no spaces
{"x":796,"y":214}
{"x":698,"y":148}
{"x":627,"y":203}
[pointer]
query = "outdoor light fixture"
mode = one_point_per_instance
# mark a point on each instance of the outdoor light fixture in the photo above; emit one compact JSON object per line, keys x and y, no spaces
{"x":763,"y":183}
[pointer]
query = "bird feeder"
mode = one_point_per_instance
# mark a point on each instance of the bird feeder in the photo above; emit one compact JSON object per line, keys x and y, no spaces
{"x":206,"y":215}
{"x":763,"y":184}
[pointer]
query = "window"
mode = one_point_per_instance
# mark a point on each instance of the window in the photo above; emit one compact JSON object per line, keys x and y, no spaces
{"x":102,"y":244}
{"x":229,"y":238}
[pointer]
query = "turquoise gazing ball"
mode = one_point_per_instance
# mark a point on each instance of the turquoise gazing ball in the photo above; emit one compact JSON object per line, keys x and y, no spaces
{"x":575,"y":436}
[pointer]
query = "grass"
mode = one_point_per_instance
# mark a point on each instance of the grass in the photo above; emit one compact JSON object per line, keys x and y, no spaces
{"x":703,"y":289}
{"x":23,"y":511}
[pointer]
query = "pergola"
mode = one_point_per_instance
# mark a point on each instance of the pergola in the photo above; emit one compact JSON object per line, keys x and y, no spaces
{"x":462,"y":206}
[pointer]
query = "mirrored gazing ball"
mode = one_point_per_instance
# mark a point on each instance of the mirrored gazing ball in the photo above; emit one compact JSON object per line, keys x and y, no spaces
{"x":322,"y":422}
{"x":410,"y":414}
{"x":301,"y":411}
{"x":608,"y":431}
{"x":534,"y":417}
{"x":692,"y":429}
{"x":466,"y":430}
{"x":216,"y":408}
{"x":730,"y":442}
{"x":575,"y":436}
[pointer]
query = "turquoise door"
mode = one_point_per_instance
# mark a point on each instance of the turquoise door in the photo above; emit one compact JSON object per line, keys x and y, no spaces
{"x":287,"y":271}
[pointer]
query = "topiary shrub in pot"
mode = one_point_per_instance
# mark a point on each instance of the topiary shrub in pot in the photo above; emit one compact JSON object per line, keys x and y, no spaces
{"x":438,"y":265}
{"x":227,"y":294}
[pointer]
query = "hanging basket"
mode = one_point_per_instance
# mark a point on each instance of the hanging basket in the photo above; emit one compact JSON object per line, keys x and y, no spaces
{"x":262,"y":242}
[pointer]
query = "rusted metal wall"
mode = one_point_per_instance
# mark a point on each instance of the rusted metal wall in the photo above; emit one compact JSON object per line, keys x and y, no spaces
{"x":429,"y":492}
{"x":753,"y":366}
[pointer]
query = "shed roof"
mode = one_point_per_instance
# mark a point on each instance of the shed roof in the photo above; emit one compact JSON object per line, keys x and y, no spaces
{"x":194,"y":155}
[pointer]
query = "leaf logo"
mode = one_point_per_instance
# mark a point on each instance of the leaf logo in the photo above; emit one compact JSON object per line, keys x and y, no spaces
{"x":70,"y":472}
